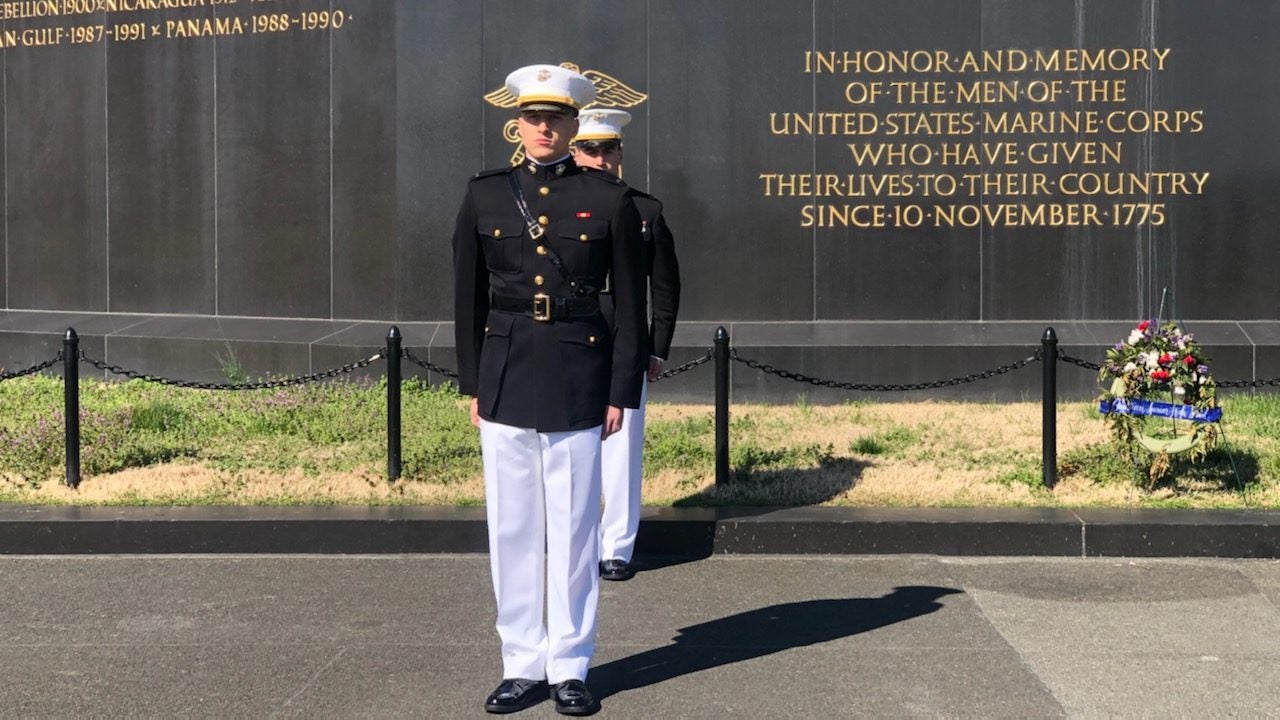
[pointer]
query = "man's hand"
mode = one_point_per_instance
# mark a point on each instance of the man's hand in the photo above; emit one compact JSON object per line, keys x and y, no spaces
{"x":612,"y":422}
{"x":475,"y":412}
{"x":655,"y":368}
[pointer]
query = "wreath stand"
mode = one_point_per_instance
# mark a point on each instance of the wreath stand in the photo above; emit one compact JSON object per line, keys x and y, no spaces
{"x":1187,"y":425}
{"x":1186,"y":430}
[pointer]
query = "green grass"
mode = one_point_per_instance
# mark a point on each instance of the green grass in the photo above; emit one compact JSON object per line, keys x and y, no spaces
{"x":333,"y":427}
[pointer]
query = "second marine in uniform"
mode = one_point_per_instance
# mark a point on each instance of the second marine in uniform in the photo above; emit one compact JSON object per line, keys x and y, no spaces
{"x":599,"y":145}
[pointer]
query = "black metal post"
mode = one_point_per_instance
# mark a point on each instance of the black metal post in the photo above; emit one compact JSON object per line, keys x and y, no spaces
{"x":393,"y":404}
{"x":722,"y":405}
{"x":1049,"y":422}
{"x":71,"y":403}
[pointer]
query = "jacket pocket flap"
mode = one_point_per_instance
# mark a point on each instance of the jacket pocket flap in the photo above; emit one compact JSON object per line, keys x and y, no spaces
{"x":498,"y":325}
{"x":579,"y":334}
{"x":582,"y":229}
{"x":499,"y":228}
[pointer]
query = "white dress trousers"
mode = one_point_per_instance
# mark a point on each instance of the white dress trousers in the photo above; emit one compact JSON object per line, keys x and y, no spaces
{"x":542,"y":499}
{"x":621,"y":469}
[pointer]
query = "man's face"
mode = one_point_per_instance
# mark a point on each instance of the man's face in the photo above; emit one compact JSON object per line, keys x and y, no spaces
{"x":546,"y":134}
{"x":601,"y":156}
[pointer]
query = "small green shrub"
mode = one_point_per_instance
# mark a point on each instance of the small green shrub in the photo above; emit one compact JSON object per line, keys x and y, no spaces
{"x":892,"y":442}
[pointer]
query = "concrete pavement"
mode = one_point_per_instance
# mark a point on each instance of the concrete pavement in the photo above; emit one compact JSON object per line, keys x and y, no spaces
{"x":756,"y":636}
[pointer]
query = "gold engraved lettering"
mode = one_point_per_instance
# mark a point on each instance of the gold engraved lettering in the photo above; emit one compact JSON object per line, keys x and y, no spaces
{"x":892,"y":154}
{"x":1085,"y":153}
{"x":987,"y":91}
{"x":918,"y":93}
{"x":1017,"y":215}
{"x":42,"y":37}
{"x":996,"y":153}
{"x":1034,"y":122}
{"x":823,"y":123}
{"x":203,"y":27}
{"x":1097,"y":91}
{"x":1021,"y":183}
{"x":860,"y":216}
{"x":1008,"y":60}
{"x":29,"y":9}
{"x":1031,"y":163}
{"x":1155,"y":121}
{"x":930,"y":123}
{"x":1133,"y":183}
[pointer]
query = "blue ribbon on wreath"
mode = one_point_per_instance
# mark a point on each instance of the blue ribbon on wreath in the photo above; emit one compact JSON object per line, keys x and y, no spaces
{"x":1155,"y":408}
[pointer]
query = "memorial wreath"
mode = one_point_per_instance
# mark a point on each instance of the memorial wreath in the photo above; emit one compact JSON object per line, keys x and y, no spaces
{"x":1159,"y":398}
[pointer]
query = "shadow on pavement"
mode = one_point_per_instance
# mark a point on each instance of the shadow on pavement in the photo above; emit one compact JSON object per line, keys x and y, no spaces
{"x":689,"y":538}
{"x":763,"y":632}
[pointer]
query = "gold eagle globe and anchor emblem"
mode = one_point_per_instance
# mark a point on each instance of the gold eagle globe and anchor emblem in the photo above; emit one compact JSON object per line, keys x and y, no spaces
{"x":610,"y":92}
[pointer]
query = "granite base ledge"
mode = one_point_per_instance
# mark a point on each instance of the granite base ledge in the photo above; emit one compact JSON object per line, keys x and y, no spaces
{"x":683,"y":532}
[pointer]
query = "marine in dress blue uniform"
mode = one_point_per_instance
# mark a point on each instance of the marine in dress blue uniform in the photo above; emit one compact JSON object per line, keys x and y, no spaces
{"x":599,"y":145}
{"x":533,"y":245}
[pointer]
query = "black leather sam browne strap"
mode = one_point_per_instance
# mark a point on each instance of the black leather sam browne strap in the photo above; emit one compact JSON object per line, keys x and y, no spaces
{"x":536,"y":232}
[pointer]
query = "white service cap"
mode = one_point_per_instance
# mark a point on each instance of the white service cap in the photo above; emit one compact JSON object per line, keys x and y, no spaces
{"x":598,"y":124}
{"x":550,"y":87}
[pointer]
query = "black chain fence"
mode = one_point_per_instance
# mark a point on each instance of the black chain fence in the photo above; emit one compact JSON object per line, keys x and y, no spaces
{"x":428,"y":365}
{"x":260,"y":385}
{"x":881,"y":387}
{"x":1273,"y":382}
{"x":688,"y":366}
{"x":721,"y":353}
{"x":1078,"y":362}
{"x":5,"y":375}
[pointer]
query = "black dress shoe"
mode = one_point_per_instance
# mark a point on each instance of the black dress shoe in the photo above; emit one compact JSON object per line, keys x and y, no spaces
{"x":515,"y":694}
{"x":616,"y":570}
{"x":573,"y":698}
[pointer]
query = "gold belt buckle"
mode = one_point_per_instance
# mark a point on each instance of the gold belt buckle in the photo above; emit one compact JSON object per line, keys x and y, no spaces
{"x":542,"y":307}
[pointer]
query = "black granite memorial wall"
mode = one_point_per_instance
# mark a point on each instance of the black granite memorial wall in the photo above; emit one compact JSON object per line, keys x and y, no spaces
{"x":866,"y":190}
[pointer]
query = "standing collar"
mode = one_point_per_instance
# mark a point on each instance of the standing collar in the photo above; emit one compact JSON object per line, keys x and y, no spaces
{"x":558,"y":168}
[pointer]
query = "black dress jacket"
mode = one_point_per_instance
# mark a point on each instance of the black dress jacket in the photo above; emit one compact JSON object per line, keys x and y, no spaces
{"x":663,"y":271}
{"x":556,"y":375}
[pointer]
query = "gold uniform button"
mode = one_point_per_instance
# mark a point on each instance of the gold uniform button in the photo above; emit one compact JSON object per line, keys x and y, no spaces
{"x":486,"y":328}
{"x":592,"y":339}
{"x":583,"y":237}
{"x":544,"y":191}
{"x":542,"y":250}
{"x":537,"y":280}
{"x":542,"y":220}
{"x":497,"y":232}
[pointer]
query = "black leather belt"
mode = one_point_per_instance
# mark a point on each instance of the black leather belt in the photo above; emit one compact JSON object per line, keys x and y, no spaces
{"x":547,"y":308}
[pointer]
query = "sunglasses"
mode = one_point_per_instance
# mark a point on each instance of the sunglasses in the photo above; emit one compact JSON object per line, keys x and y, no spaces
{"x":600,"y":148}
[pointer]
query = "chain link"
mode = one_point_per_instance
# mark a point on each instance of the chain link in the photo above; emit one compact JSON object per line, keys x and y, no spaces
{"x":1274,"y":382}
{"x":687,"y":366}
{"x":1078,"y":362}
{"x":873,"y":387}
{"x":1087,"y":365}
{"x":429,"y":366}
{"x":33,"y":369}
{"x":262,"y":385}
